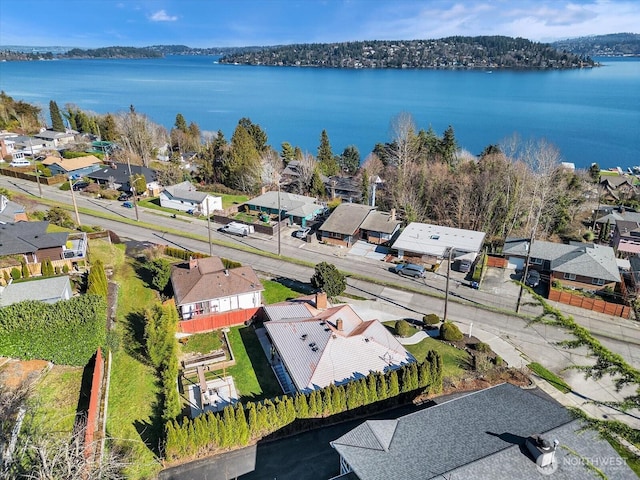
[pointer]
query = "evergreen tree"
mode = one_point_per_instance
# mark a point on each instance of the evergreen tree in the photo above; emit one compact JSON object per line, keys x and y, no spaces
{"x":372,"y":388}
{"x":365,"y":187}
{"x":25,"y":270}
{"x":449,"y":146}
{"x":160,"y":272}
{"x":241,"y":169}
{"x":350,"y":160}
{"x":352,"y":396}
{"x":97,"y":280}
{"x":605,"y":233}
{"x":424,"y":374}
{"x":413,"y":376}
{"x":288,"y":153}
{"x":301,"y":405}
{"x":108,"y":128}
{"x":327,"y":401}
{"x":328,"y":164}
{"x":181,"y":123}
{"x":257,"y":134}
{"x":382,"y":386}
{"x":7,"y":277}
{"x":297,"y":153}
{"x":252,"y":420}
{"x":394,"y":388}
{"x":363,"y":391}
{"x":328,"y":278}
{"x":314,"y":409}
{"x":241,"y":427}
{"x":316,"y":185}
{"x":262,"y":420}
{"x":57,"y":124}
{"x":405,"y":382}
{"x":228,"y":435}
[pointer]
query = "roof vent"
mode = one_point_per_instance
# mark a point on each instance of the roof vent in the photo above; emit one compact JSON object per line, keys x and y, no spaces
{"x":366,"y":339}
{"x":312,"y":344}
{"x":314,"y":349}
{"x":303,"y":337}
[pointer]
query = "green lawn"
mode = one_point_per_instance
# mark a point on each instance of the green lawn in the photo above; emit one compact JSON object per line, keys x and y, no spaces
{"x":202,"y":342}
{"x":252,"y":373}
{"x":133,"y":418}
{"x":230,"y":200}
{"x":275,"y":292}
{"x":55,"y":399}
{"x":455,"y":361}
{"x":632,"y":460}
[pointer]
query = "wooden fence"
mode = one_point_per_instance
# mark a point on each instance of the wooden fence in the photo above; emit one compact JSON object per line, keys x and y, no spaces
{"x":589,"y":303}
{"x":206,"y":323}
{"x":28,"y":174}
{"x":499,"y":262}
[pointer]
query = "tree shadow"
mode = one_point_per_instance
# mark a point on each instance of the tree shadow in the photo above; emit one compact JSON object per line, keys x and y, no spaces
{"x":134,"y":341}
{"x":295,"y":285}
{"x":82,"y":407}
{"x":152,"y":432}
{"x":260,"y":364}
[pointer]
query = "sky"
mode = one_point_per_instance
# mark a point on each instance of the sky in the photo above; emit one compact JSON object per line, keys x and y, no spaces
{"x":226,"y":23}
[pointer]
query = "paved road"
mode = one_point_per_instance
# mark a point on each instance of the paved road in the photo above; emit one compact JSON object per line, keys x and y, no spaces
{"x":529,"y":342}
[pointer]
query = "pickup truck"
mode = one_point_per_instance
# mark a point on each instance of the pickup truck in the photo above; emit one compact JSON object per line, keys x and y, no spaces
{"x":239,"y":229}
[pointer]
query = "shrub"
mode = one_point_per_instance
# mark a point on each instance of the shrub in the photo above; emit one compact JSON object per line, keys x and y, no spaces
{"x":65,"y":187}
{"x":66,"y":332}
{"x":92,"y":188}
{"x":59,"y":216}
{"x":25,"y":271}
{"x":481,"y":362}
{"x":431,"y":319}
{"x":110,"y":194}
{"x":498,"y":361}
{"x":45,"y":171}
{"x":329,"y":279}
{"x":450,"y":332}
{"x":65,"y":269}
{"x":403,"y":328}
{"x":482,"y":347}
{"x":15,"y":273}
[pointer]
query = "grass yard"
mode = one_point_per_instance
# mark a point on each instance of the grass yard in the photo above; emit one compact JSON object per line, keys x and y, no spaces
{"x":230,"y":200}
{"x":252,"y":373}
{"x":455,"y":361}
{"x":275,"y":292}
{"x":133,"y":418}
{"x":202,"y":342}
{"x":54,"y":401}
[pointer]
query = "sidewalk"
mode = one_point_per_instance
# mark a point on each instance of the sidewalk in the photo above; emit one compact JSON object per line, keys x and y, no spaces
{"x":584,"y":391}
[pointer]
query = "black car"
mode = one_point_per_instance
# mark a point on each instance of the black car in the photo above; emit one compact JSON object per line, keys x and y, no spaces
{"x":533,"y":279}
{"x":124,"y":197}
{"x":80,"y":186}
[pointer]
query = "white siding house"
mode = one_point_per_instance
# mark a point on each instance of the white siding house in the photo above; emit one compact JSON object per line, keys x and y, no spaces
{"x":184,"y":196}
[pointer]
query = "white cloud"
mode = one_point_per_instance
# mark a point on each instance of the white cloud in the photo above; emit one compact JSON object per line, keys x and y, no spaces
{"x":162,"y":16}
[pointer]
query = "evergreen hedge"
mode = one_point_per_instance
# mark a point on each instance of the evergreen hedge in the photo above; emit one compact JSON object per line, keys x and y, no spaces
{"x":67,"y":332}
{"x":238,"y":425}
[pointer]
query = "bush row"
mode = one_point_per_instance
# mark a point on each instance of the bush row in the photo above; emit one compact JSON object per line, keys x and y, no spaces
{"x":67,"y":332}
{"x":239,"y":425}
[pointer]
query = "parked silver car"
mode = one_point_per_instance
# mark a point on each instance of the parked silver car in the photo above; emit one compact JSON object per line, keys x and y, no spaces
{"x":410,"y":270}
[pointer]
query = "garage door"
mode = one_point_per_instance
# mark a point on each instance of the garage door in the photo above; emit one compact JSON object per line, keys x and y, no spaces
{"x":516,"y":263}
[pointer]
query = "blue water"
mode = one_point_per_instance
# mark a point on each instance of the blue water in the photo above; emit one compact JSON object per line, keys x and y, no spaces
{"x":591,"y":115}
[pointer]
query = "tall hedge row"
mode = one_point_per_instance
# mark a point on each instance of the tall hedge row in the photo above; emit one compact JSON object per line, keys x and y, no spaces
{"x":67,"y":332}
{"x":238,"y":425}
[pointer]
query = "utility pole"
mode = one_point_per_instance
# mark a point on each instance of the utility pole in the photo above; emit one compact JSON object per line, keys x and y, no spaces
{"x":279,"y":217}
{"x":36,"y":168}
{"x":75,"y":205}
{"x":209,"y":227}
{"x":446,"y":292}
{"x":133,"y":190}
{"x":525,"y":272}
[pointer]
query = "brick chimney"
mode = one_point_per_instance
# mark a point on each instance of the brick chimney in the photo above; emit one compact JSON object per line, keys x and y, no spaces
{"x":321,"y":300}
{"x":339,"y":325}
{"x":193,"y":263}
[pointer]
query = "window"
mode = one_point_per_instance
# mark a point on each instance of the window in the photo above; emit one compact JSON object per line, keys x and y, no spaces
{"x":536,"y":261}
{"x":569,"y":276}
{"x":598,"y":281}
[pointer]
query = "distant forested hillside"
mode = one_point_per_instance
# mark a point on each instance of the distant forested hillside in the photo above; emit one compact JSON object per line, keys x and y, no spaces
{"x":111,"y":52}
{"x":492,"y":52}
{"x":615,"y":44}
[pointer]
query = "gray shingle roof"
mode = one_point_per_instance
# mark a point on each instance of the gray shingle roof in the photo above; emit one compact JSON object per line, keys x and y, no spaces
{"x":28,"y":237}
{"x":47,"y":290}
{"x":437,"y":440}
{"x":186,"y":191}
{"x":380,"y":222}
{"x":584,"y":259}
{"x":346,"y":218}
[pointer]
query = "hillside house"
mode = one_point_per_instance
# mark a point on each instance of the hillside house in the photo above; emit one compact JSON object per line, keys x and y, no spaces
{"x":72,"y":167}
{"x":185,"y":197}
{"x":298,"y":209}
{"x":430,"y":243}
{"x":343,"y":227}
